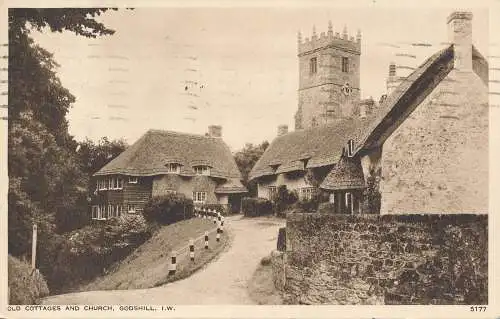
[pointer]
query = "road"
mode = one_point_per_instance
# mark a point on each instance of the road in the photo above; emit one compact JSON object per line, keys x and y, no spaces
{"x":223,"y":281}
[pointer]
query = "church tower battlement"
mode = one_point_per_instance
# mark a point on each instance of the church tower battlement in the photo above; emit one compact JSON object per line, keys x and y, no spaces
{"x":329,"y":77}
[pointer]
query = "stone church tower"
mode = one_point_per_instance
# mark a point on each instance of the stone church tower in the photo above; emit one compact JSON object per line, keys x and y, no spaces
{"x":329,"y":78}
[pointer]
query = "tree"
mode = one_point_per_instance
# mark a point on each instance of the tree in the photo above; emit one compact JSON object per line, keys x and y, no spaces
{"x":45,"y":179}
{"x":93,"y":156}
{"x":246,"y":159}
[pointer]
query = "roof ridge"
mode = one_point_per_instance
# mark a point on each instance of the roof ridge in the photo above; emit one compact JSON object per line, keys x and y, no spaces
{"x":169,"y":132}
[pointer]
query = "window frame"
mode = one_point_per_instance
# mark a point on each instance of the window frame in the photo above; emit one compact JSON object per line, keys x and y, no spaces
{"x":350,"y":148}
{"x":200,"y":197}
{"x":313,"y":65}
{"x":133,"y":180}
{"x":272,"y":192}
{"x":345,"y":64}
{"x":349,"y":202}
{"x":173,"y":168}
{"x":306,"y":193}
{"x":203,"y":170}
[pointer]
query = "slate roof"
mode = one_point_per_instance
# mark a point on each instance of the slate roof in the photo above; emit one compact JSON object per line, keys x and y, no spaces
{"x":347,"y":174}
{"x":156,"y":148}
{"x":315,"y":147}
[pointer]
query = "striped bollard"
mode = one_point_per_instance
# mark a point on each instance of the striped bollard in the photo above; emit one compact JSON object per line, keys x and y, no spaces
{"x":222,"y":225}
{"x":173,"y":263}
{"x":215,"y":218}
{"x":218,"y":234}
{"x":204,"y":214}
{"x":206,"y":240}
{"x":191,"y":249}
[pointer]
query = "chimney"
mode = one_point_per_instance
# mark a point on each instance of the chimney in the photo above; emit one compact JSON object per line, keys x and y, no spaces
{"x":393,"y":81}
{"x":215,"y":131}
{"x":282,"y":129}
{"x":460,"y":35}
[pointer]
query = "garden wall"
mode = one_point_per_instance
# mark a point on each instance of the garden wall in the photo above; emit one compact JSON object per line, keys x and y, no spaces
{"x":386,"y":259}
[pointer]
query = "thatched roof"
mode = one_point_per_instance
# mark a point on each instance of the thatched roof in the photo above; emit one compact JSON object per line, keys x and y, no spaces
{"x":347,"y":174}
{"x":412,"y":90}
{"x":231,"y":186}
{"x":309,"y":148}
{"x":149,"y":155}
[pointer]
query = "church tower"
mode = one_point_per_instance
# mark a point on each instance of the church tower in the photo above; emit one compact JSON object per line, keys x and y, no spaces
{"x":329,"y":78}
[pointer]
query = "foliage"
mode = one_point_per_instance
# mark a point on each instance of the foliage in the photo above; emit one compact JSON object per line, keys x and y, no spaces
{"x":168,"y":209}
{"x":253,"y":207}
{"x":311,"y":205}
{"x":246,"y":159}
{"x":372,"y":196}
{"x":93,"y":156}
{"x":327,"y":208}
{"x":284,"y":199}
{"x":45,"y":177}
{"x":92,"y":249}
{"x":25,"y":286}
{"x":217,"y":207}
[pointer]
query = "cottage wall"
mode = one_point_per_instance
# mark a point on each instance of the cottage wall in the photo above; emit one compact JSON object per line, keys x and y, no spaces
{"x":185,"y":185}
{"x":437,"y":160}
{"x":292,"y":182}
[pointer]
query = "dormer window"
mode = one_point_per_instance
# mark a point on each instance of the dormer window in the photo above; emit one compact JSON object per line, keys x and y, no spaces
{"x":350,"y":148}
{"x":201,"y":170}
{"x":173,"y":168}
{"x":132,"y":180}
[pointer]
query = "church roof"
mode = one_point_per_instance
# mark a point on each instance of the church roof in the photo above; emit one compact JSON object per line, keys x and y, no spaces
{"x":149,"y":155}
{"x":314,"y":147}
{"x":347,"y":174}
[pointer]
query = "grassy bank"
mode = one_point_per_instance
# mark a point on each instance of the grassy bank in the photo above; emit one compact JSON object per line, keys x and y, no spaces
{"x":148,"y":265}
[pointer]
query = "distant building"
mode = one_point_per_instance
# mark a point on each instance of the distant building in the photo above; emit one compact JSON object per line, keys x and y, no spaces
{"x":428,"y":137}
{"x":329,"y":78}
{"x":161,"y":162}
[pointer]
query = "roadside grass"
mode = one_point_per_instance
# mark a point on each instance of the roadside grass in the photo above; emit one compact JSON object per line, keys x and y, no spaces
{"x":261,"y":287}
{"x":147,"y":266}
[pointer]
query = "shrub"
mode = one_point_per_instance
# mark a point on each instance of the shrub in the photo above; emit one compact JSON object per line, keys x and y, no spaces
{"x":284,"y":199}
{"x":25,"y":287}
{"x":327,"y":208}
{"x":168,"y":209}
{"x":265,"y":261}
{"x":92,"y":249}
{"x":253,"y":207}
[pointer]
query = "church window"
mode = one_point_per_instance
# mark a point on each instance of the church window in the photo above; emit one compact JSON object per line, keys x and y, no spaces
{"x":345,"y":64}
{"x":313,"y":65}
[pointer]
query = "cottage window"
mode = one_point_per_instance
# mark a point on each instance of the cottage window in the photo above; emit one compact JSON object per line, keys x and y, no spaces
{"x":199,"y":197}
{"x":173,"y":168}
{"x":132,"y":180}
{"x":110,"y":183}
{"x":306,"y":193}
{"x":201,"y":170}
{"x":332,"y":198}
{"x":350,"y":148}
{"x":313,"y":65}
{"x":273,"y":192}
{"x":110,"y":211}
{"x":115,"y":183}
{"x":349,"y":202}
{"x":94,"y":212}
{"x":131,"y":209}
{"x":345,"y":64}
{"x":102,"y":212}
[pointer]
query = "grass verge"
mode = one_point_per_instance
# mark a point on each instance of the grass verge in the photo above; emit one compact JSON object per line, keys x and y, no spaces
{"x":261,"y":287}
{"x":147,"y":266}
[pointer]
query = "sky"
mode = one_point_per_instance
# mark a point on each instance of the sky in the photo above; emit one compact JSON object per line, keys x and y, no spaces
{"x":240,"y":65}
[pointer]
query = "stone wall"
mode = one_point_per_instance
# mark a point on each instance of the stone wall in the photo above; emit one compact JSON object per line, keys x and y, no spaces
{"x":386,"y":259}
{"x":277,"y":264}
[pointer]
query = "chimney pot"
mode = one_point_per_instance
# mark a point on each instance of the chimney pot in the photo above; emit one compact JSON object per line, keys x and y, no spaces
{"x":460,"y":35}
{"x":282,"y":129}
{"x":215,"y":131}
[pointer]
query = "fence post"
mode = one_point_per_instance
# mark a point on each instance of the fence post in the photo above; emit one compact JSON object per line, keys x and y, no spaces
{"x":173,"y":263}
{"x":206,"y":240}
{"x":191,"y":249}
{"x":218,"y":234}
{"x":33,"y":247}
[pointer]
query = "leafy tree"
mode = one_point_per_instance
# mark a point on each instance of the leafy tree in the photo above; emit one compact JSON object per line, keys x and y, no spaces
{"x":93,"y":156}
{"x":246,"y":159}
{"x":45,"y":179}
{"x":372,"y":196}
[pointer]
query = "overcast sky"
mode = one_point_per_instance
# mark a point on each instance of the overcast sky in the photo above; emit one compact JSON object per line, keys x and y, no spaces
{"x":244,"y":63}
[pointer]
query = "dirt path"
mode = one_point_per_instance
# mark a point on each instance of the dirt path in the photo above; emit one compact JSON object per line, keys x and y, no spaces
{"x":224,"y":281}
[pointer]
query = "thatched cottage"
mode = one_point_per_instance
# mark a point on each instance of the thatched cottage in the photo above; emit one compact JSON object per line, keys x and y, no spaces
{"x":199,"y":166}
{"x":428,"y":138}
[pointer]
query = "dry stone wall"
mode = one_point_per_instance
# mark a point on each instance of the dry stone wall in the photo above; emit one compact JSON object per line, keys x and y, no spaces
{"x":386,"y":259}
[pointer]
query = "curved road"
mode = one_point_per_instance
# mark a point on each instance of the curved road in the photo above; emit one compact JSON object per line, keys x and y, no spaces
{"x":223,"y":281}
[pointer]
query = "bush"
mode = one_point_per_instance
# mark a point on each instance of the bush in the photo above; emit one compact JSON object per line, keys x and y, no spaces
{"x":25,"y":287}
{"x":253,"y":207}
{"x":168,"y":209}
{"x":284,"y":199}
{"x":327,"y":208}
{"x":92,"y":249}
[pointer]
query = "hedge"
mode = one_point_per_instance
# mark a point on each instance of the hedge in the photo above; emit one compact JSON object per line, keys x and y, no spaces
{"x":168,"y":209}
{"x":253,"y":207}
{"x":25,"y":286}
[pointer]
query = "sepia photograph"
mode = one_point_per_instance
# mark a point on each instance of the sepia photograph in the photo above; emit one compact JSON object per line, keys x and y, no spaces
{"x":257,"y":155}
